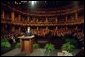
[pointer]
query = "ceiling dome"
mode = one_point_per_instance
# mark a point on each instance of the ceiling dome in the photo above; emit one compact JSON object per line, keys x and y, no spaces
{"x":41,"y":4}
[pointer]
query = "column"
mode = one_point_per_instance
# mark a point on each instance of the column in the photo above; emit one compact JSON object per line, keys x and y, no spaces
{"x":76,"y":28}
{"x":66,"y":28}
{"x":19,"y":17}
{"x":37,"y":28}
{"x":3,"y":27}
{"x":3,"y":14}
{"x":19,"y":29}
{"x":37,"y":19}
{"x":28,"y":19}
{"x":66,"y":19}
{"x":46,"y":19}
{"x":13,"y":28}
{"x":12,"y":15}
{"x":46,"y":28}
{"x":76,"y":15}
{"x":34,"y":21}
{"x":56,"y":27}
{"x":56,"y":20}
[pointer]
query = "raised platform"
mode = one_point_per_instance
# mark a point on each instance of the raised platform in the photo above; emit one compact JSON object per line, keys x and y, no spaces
{"x":36,"y":52}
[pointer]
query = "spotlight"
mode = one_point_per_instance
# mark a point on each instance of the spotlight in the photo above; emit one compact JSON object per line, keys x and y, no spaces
{"x":32,"y":3}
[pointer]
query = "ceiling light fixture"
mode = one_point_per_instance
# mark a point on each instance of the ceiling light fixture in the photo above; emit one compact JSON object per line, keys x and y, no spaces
{"x":32,"y":2}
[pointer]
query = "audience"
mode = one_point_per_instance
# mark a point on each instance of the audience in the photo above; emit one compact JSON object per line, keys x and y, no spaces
{"x":48,"y":35}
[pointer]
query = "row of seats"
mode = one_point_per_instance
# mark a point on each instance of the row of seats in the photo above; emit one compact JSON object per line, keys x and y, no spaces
{"x":48,"y":35}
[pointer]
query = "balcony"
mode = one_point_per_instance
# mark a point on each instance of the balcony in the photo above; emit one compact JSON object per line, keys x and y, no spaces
{"x":39,"y":23}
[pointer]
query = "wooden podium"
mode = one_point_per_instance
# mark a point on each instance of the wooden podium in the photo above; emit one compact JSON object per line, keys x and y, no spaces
{"x":26,"y":44}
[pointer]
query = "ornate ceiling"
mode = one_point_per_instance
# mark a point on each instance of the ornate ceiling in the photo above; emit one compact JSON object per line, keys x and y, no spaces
{"x":41,"y":4}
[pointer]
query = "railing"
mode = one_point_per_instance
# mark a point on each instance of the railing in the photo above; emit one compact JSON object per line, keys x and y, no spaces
{"x":51,"y":12}
{"x":35,"y":23}
{"x":55,"y":32}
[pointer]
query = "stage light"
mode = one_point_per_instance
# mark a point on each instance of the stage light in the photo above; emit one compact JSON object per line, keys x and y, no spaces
{"x":45,"y":1}
{"x":32,"y":3}
{"x":16,"y":2}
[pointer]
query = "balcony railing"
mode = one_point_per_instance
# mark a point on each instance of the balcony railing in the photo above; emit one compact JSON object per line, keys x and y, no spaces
{"x":35,"y":23}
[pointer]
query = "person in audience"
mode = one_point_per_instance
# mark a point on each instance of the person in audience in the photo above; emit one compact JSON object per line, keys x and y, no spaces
{"x":12,"y":40}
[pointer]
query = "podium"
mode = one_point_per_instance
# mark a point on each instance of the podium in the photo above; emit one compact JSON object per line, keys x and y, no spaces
{"x":26,"y":44}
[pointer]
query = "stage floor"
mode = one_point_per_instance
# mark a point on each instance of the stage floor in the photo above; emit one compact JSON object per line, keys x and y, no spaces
{"x":36,"y":52}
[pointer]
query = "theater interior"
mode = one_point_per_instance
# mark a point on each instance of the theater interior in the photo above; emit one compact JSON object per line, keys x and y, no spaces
{"x":42,"y":28}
